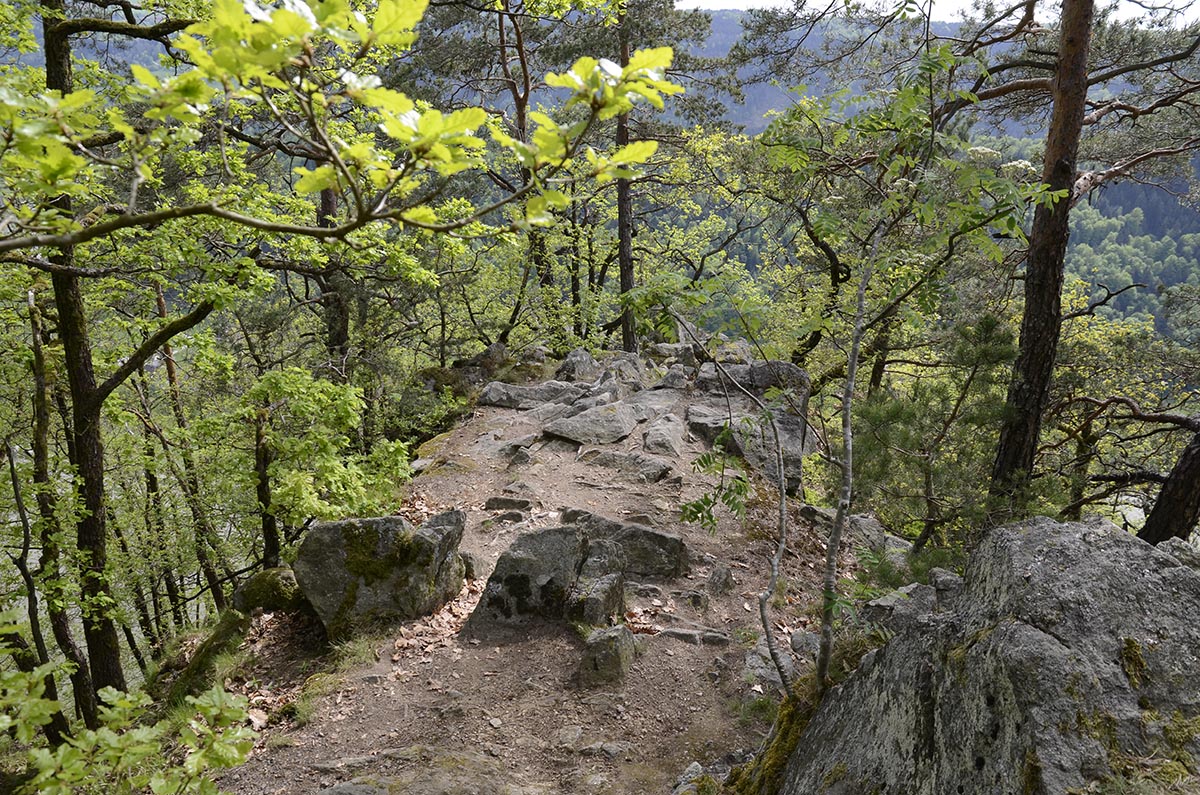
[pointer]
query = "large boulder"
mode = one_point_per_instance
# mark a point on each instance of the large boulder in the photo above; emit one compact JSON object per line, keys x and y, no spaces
{"x":752,"y":439}
{"x":519,"y":396}
{"x":576,"y":572}
{"x":645,"y":552}
{"x":756,"y":377}
{"x":534,"y":576}
{"x":361,"y":571}
{"x":599,"y":425}
{"x":1069,"y":658}
{"x":664,"y":436}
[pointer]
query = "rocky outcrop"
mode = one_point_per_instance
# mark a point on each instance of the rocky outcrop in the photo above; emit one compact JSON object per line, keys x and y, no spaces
{"x":361,"y":571}
{"x":579,"y":365}
{"x":664,"y":436}
{"x":1068,"y":657}
{"x":534,"y":576}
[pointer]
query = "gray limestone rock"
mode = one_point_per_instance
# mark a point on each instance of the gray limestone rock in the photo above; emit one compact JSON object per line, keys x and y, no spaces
{"x":672,"y":353}
{"x":1177,"y":548}
{"x":579,"y":365}
{"x":534,"y":576}
{"x":625,"y":368}
{"x":760,"y":668}
{"x":947,"y":584}
{"x":360,"y":571}
{"x":676,"y":377}
{"x":652,"y":553}
{"x":647,"y":552}
{"x":752,"y":439}
{"x":735,"y":352}
{"x":903,"y":608}
{"x":600,"y":425}
{"x":1069,"y":656}
{"x":756,"y":377}
{"x":593,"y":524}
{"x":650,"y":404}
{"x":597,"y":602}
{"x":639,"y":466}
{"x":516,"y":396}
{"x":720,"y":581}
{"x":604,"y":556}
{"x":607,"y":656}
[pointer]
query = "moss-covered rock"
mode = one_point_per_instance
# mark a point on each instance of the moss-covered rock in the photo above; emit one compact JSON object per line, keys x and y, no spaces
{"x":226,"y":635}
{"x":271,"y":590}
{"x":370,"y":571}
{"x":1060,"y":667}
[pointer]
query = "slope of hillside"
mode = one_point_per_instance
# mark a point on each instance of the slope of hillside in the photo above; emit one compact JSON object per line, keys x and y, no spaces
{"x":447,"y":711}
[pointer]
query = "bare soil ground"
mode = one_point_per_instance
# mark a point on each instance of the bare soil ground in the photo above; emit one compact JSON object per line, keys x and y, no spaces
{"x":505,"y":709}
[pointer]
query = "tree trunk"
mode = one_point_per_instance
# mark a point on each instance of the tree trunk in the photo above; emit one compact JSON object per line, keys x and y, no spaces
{"x":51,"y":532}
{"x":58,"y":728}
{"x":1177,"y":508}
{"x":262,"y":468}
{"x":1042,"y":319}
{"x":625,"y":214}
{"x":100,"y":633}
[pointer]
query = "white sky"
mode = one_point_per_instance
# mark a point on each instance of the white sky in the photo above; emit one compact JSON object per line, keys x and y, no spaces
{"x":945,"y":10}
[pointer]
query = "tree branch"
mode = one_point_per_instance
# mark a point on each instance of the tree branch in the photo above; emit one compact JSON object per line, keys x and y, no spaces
{"x":150,"y":346}
{"x":156,"y":32}
{"x":1091,"y":308}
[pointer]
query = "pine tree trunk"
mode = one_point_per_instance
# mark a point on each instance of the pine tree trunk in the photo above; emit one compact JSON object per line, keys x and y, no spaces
{"x":1042,"y":319}
{"x":625,"y":214}
{"x":1177,"y":508}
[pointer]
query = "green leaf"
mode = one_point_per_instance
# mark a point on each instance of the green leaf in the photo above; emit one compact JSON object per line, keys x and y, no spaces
{"x":395,"y":20}
{"x":636,"y":152}
{"x":316,"y":180}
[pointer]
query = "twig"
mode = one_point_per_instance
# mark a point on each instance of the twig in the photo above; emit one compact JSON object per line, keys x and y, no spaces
{"x":776,"y":560}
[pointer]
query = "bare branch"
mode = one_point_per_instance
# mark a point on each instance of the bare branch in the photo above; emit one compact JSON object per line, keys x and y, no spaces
{"x":1090,"y":309}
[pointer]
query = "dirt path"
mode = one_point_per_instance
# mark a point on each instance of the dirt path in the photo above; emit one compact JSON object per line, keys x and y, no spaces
{"x":440,"y":712}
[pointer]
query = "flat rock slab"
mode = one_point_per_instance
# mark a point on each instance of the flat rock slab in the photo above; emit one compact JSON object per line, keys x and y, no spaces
{"x":639,"y":466}
{"x":600,"y":425}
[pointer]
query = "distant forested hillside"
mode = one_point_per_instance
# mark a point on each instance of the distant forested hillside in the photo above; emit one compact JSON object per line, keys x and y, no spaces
{"x":1129,"y":233}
